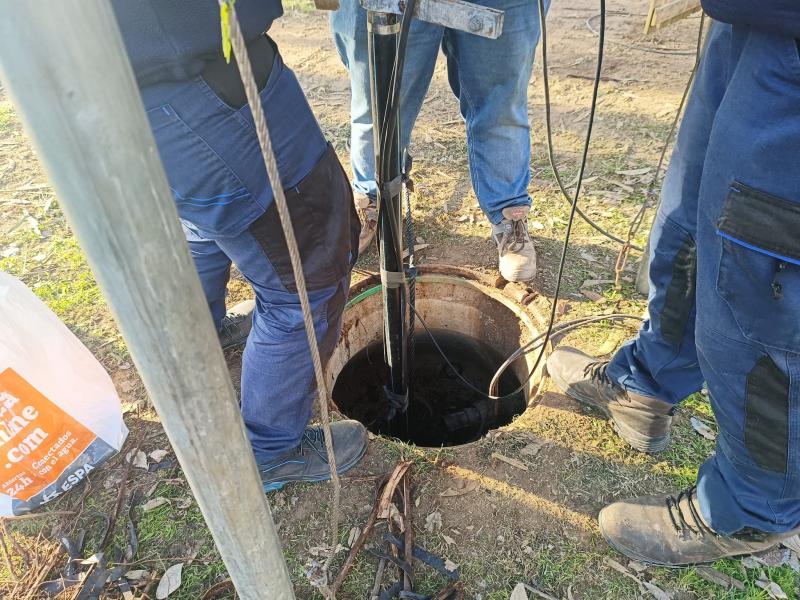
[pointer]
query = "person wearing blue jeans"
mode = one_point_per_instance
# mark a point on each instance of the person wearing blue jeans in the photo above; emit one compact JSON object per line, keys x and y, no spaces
{"x":724,"y":305}
{"x":207,"y":141}
{"x":490,"y":79}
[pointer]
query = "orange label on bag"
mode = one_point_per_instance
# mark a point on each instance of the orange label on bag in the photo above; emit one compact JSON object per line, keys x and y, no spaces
{"x":38,"y":440}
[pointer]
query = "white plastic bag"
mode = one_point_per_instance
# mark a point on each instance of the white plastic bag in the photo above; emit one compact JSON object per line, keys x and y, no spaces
{"x":60,"y":416}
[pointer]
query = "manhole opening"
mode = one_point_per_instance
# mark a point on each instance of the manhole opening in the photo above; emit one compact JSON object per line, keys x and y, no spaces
{"x":442,"y":411}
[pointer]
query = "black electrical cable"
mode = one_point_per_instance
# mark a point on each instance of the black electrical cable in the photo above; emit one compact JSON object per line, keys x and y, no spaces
{"x":581,"y":170}
{"x":393,"y":105}
{"x":532,"y":345}
{"x":549,"y":125}
{"x":638,"y":219}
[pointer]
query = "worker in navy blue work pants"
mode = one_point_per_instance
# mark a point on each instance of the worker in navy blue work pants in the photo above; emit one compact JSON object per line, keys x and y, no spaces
{"x":207,"y":141}
{"x":724,"y":308}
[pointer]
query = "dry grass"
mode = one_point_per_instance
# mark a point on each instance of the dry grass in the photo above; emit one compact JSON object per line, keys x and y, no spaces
{"x":536,"y":526}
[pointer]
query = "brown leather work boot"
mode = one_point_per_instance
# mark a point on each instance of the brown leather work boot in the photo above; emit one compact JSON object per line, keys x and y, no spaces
{"x":670,"y":532}
{"x":641,"y":421}
{"x":369,"y":221}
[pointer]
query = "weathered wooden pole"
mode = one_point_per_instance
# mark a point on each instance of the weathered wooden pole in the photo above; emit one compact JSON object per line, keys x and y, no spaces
{"x":65,"y":66}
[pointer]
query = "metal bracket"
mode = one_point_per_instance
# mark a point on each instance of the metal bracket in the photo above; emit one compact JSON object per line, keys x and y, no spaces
{"x":453,"y":14}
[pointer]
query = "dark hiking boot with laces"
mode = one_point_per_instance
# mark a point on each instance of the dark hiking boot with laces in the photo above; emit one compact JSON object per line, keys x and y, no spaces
{"x":670,"y":532}
{"x":236,"y":325}
{"x":309,"y":460}
{"x":641,"y":421}
{"x":514,"y":244}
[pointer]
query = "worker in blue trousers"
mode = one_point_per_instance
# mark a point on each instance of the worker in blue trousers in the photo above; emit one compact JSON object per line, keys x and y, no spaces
{"x":724,"y":305}
{"x":490,"y":79}
{"x":207,"y":141}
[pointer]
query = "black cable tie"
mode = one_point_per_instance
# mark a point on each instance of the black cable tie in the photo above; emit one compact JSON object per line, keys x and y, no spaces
{"x":391,"y":189}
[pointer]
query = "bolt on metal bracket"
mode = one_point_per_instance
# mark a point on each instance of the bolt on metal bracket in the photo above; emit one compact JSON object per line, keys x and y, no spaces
{"x":454,"y":14}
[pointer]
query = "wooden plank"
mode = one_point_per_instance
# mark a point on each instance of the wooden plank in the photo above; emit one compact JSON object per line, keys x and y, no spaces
{"x":66,"y":69}
{"x":665,"y":12}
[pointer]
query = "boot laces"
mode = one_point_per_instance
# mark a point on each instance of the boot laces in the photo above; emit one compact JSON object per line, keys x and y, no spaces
{"x":685,"y":524}
{"x":314,"y":439}
{"x":514,"y":237}
{"x":228,"y":325}
{"x":597,"y":372}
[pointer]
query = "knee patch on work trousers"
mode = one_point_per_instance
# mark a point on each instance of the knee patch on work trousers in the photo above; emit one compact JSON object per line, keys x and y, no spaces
{"x":325,"y":224}
{"x":766,"y":426}
{"x":679,"y":299}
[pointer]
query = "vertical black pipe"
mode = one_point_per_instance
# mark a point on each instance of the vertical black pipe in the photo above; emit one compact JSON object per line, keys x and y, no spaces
{"x":383,"y":35}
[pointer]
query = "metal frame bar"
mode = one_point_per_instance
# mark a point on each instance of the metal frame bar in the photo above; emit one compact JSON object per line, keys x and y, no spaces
{"x":66,"y":68}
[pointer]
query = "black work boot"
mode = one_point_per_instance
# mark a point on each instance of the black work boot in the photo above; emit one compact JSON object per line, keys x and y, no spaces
{"x":641,"y":421}
{"x":236,"y":325}
{"x":670,"y":532}
{"x":309,"y":460}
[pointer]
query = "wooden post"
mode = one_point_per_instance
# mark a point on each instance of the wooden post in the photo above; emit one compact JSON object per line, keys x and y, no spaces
{"x":65,"y":66}
{"x":643,"y":272}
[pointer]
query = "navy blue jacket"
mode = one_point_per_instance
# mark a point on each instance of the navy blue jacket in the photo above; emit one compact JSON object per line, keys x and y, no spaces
{"x":171,"y":40}
{"x":781,"y":17}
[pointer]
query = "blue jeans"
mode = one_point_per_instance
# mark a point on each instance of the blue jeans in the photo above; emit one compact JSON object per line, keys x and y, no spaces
{"x":213,"y":162}
{"x":489,"y":78}
{"x":724,"y":304}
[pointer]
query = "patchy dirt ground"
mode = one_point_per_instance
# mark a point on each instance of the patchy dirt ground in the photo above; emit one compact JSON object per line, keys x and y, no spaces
{"x":534,"y":522}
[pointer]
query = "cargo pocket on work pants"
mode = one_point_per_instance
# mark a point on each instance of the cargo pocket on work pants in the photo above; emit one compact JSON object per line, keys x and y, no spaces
{"x":759,"y":279}
{"x":208,"y":194}
{"x":759,"y":270}
{"x":325,"y":224}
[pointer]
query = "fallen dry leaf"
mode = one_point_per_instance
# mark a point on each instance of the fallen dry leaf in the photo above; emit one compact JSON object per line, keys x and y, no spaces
{"x":656,"y":591}
{"x":154,"y":503}
{"x":139,"y":459}
{"x":634,"y":172}
{"x":354,"y":533}
{"x":703,"y":429}
{"x":751,"y":562}
{"x":610,"y":562}
{"x":433,"y":522}
{"x":460,"y":487}
{"x":637,"y":566}
{"x":448,"y":540}
{"x":772,"y":588}
{"x":137,"y":574}
{"x":158,"y":455}
{"x":519,"y":592}
{"x":170,"y":581}
{"x":719,"y":578}
{"x":794,"y":562}
{"x":593,"y":282}
{"x":451,"y":566}
{"x":510,"y":461}
{"x":533,"y":448}
{"x":592,"y":295}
